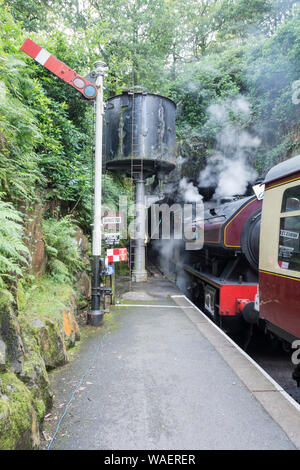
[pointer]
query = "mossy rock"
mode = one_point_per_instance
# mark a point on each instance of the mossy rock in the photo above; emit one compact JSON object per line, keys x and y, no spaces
{"x":34,"y":373}
{"x":51,"y":342}
{"x":20,"y":294}
{"x":70,"y":328}
{"x":30,"y":345}
{"x":19,"y":414}
{"x":53,"y":347}
{"x":10,"y":333}
{"x":82,"y":304}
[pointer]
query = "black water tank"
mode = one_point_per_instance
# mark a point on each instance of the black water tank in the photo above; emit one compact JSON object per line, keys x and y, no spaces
{"x":139,"y":126}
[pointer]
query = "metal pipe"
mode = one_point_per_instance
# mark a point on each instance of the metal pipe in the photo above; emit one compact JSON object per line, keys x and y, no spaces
{"x":95,"y":317}
{"x":139,"y":273}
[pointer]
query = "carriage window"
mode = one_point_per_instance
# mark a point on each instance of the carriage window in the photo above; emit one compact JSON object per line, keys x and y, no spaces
{"x":289,"y":243}
{"x":291,"y":199}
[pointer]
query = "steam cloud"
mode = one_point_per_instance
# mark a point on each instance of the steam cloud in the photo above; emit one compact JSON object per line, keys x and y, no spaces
{"x":228,"y":169}
{"x":189,"y":192}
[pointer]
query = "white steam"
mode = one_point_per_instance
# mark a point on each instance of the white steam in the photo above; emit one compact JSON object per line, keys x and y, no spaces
{"x":188,"y":191}
{"x":228,"y":169}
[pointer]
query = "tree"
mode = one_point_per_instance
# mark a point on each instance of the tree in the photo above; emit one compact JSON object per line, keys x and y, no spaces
{"x":32,"y":13}
{"x":133,"y":38}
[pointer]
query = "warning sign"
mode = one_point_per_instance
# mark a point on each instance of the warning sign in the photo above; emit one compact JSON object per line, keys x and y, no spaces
{"x":116,"y":254}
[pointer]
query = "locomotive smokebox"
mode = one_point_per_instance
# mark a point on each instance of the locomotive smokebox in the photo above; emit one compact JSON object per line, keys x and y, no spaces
{"x":250,"y":238}
{"x":139,"y":131}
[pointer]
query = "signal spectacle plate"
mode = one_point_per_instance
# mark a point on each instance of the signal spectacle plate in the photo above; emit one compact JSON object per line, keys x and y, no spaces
{"x":78,"y":82}
{"x":90,"y":91}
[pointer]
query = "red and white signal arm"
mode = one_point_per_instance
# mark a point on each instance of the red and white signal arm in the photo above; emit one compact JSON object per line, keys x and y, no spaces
{"x":59,"y":69}
{"x":116,"y":254}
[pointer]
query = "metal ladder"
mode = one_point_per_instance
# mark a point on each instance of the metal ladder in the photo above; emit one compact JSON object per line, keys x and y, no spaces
{"x":136,"y":170}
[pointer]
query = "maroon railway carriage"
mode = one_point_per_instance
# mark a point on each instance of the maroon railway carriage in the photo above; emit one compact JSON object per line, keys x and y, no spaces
{"x":279,"y":254}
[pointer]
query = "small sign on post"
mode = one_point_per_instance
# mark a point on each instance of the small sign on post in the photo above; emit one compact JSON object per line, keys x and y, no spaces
{"x":110,"y":270}
{"x":111,"y":222}
{"x":116,"y":254}
{"x":112,"y":238}
{"x":259,"y":190}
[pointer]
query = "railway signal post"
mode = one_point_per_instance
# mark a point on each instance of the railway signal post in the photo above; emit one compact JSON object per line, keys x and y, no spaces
{"x":90,"y":91}
{"x":95,"y":316}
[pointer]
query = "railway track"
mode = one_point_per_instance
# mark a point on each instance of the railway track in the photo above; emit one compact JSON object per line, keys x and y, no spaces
{"x":275,"y":361}
{"x":272,"y":358}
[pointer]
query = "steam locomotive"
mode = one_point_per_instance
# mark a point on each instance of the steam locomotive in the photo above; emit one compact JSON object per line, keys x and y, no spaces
{"x":249,"y":267}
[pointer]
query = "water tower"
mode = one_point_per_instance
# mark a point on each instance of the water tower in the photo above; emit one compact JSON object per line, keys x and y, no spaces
{"x":139,"y":140}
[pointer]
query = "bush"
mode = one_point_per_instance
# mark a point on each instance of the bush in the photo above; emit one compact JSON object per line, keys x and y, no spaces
{"x":62,"y":249}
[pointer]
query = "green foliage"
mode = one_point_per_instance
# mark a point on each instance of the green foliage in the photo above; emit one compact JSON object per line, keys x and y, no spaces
{"x":45,"y":144}
{"x":262,"y":69}
{"x":196,"y":87}
{"x":32,"y":13}
{"x":13,"y":252}
{"x":134,"y":39}
{"x":19,"y":130}
{"x":62,"y":249}
{"x":272,"y":68}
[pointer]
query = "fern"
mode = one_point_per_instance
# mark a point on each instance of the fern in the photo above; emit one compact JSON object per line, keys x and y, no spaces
{"x":13,"y":253}
{"x":62,"y":249}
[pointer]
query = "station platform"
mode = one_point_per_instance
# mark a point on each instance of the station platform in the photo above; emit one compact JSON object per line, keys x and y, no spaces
{"x":167,"y":378}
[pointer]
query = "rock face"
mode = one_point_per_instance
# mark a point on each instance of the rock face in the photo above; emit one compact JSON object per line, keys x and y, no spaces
{"x":11,"y":334}
{"x":52,"y":346}
{"x":82,"y":241}
{"x":28,"y":349}
{"x":20,"y":414}
{"x":70,"y":328}
{"x":83,"y":283}
{"x":34,"y":239}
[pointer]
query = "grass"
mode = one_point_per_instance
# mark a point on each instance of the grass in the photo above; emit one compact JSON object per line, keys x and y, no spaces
{"x":46,"y":298}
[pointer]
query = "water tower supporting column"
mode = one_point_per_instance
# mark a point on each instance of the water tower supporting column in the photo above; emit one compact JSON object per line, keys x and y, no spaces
{"x":139,"y":273}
